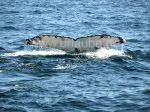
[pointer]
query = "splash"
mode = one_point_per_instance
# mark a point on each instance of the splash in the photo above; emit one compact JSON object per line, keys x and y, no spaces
{"x":34,"y":53}
{"x":105,"y":53}
{"x":102,"y":53}
{"x":59,"y":67}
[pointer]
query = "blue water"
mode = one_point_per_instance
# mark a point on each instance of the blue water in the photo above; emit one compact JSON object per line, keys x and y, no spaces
{"x":42,"y":80}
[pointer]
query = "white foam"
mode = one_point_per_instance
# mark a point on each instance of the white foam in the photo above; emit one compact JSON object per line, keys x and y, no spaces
{"x":105,"y":53}
{"x":65,"y":66}
{"x":102,"y":53}
{"x":42,"y":53}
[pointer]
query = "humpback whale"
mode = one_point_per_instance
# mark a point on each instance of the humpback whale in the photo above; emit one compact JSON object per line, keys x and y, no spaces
{"x":71,"y":45}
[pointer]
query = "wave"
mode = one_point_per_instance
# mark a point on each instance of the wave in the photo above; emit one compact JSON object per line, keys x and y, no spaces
{"x":102,"y":53}
{"x":145,"y":40}
{"x":8,"y":28}
{"x":1,"y":48}
{"x":36,"y":12}
{"x":33,"y":53}
{"x":105,"y":53}
{"x":139,"y":54}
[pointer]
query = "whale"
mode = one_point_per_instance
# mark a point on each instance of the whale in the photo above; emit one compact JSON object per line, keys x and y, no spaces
{"x":78,"y":45}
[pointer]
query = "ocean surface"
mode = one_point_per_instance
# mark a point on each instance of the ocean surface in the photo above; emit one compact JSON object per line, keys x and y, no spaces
{"x":36,"y":79}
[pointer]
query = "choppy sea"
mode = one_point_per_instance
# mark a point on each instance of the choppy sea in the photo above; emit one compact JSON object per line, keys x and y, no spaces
{"x":114,"y":79}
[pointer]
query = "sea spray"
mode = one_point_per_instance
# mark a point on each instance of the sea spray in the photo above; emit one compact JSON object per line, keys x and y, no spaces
{"x":101,"y":54}
{"x":122,"y":47}
{"x":105,"y":53}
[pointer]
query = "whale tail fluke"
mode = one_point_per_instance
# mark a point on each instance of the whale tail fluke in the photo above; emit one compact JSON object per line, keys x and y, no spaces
{"x":70,"y":45}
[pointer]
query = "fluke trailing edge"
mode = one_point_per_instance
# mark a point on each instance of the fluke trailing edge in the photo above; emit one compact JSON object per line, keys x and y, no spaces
{"x":70,"y":45}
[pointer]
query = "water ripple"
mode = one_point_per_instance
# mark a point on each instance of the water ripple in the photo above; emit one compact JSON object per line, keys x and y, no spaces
{"x":9,"y":28}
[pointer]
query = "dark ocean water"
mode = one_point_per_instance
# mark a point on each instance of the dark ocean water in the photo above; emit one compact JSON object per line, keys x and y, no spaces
{"x":42,"y":80}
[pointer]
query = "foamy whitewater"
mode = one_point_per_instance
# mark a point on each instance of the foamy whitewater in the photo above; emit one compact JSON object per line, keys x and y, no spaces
{"x":102,"y":53}
{"x":34,"y":53}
